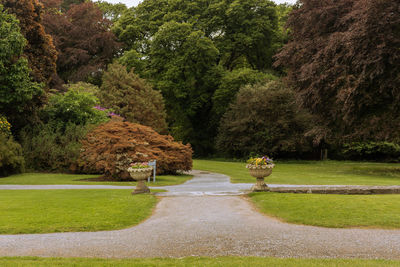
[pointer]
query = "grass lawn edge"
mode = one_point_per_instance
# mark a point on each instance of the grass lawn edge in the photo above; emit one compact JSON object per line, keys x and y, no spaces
{"x":256,"y":206}
{"x":195,"y":261}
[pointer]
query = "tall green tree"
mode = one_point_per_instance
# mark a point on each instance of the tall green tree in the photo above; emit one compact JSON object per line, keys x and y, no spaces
{"x":17,"y":90}
{"x":183,"y":61}
{"x":343,"y":59}
{"x":132,"y":97}
{"x":244,"y":31}
{"x":185,"y":47}
{"x":111,"y":11}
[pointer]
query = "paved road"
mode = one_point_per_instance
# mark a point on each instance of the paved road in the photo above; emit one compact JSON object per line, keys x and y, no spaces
{"x":208,"y":224}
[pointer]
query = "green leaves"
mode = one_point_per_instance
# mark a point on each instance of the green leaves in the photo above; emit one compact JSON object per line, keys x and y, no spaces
{"x":185,"y":47}
{"x":74,"y":106}
{"x":132,"y":97}
{"x":16,"y":86}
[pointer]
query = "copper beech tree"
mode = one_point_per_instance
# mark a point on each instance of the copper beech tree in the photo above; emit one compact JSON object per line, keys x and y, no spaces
{"x":344,"y":61}
{"x":83,"y":40}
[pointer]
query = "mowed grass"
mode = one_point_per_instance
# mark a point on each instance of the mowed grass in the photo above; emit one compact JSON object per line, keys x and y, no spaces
{"x":371,"y":211}
{"x":197,"y":261}
{"x":311,"y":172}
{"x":79,"y":179}
{"x":49,"y":211}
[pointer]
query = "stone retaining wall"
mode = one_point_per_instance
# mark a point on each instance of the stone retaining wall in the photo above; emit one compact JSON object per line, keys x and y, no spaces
{"x":344,"y":190}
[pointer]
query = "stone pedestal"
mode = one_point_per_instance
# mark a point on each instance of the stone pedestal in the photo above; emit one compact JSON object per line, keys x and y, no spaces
{"x":260,"y":173}
{"x":141,"y":175}
{"x":260,"y":186}
{"x":141,"y":188}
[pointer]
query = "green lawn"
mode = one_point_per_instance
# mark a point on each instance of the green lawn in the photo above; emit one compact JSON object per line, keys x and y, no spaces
{"x":196,"y":261}
{"x":48,"y":211}
{"x":375,"y":211}
{"x":77,"y":179}
{"x":311,"y":172}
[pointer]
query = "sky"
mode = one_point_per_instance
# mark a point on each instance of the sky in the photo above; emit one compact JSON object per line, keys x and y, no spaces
{"x":130,"y":3}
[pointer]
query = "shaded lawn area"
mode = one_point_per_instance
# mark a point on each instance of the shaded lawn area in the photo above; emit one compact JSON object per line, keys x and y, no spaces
{"x":196,"y":261}
{"x":311,"y":172}
{"x":48,"y":211}
{"x":81,"y":179}
{"x":372,"y":211}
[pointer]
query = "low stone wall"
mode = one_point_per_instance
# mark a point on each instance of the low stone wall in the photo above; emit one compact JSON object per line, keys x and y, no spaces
{"x":343,"y":190}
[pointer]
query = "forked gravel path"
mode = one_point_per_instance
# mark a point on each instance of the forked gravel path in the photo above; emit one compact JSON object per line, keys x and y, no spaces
{"x":204,"y":218}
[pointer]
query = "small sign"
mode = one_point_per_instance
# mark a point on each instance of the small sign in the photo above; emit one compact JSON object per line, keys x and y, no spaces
{"x":153,"y":164}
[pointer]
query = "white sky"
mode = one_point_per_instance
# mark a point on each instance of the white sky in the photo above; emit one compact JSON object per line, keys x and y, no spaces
{"x":130,"y":3}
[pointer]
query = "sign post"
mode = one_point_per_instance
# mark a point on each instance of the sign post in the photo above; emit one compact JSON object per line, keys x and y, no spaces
{"x":153,"y":164}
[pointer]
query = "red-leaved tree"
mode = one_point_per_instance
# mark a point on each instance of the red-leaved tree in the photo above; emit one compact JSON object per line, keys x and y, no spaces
{"x":83,"y":40}
{"x":344,"y":61}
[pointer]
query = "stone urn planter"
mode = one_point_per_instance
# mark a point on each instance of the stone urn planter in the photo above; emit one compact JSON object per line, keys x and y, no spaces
{"x":260,"y":168}
{"x":140,"y":175}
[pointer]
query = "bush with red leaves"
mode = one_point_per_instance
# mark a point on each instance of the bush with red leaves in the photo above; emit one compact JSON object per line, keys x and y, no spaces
{"x":111,"y":147}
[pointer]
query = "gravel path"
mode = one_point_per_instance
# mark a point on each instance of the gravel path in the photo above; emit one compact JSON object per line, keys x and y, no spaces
{"x":205,"y":224}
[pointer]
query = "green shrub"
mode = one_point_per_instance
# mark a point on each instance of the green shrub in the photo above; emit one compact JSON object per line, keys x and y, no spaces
{"x":264,"y":120}
{"x":371,"y":151}
{"x":52,"y":146}
{"x":75,"y":106}
{"x":11,"y":159}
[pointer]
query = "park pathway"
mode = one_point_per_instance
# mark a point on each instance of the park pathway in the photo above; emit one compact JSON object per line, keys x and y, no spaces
{"x":207,"y":217}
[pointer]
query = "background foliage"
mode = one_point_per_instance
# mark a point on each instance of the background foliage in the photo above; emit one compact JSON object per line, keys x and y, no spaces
{"x":343,"y":60}
{"x":186,"y":48}
{"x":132,"y":97}
{"x":265,"y":119}
{"x":11,"y":158}
{"x":18,"y":91}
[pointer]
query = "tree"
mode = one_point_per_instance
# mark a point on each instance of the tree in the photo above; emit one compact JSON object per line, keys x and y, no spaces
{"x":39,"y":50}
{"x":248,"y":32}
{"x":264,"y":119}
{"x":132,"y":97}
{"x":231,"y":82}
{"x":66,"y":4}
{"x":17,"y":90}
{"x":185,"y":47}
{"x":111,"y":11}
{"x":243,"y":31}
{"x":343,"y":59}
{"x":83,"y":40}
{"x":183,"y":64}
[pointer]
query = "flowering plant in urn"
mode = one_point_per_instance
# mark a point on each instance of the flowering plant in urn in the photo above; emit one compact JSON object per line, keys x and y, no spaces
{"x":260,"y":168}
{"x":140,"y":171}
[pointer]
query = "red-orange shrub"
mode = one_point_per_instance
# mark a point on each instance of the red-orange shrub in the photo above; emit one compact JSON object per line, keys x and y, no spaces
{"x":111,"y":147}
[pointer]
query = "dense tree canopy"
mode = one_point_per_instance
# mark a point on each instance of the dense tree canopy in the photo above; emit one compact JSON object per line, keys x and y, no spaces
{"x":184,"y":61}
{"x":264,"y":119}
{"x":133,"y":98}
{"x":111,"y":11}
{"x":230,"y":84}
{"x":39,"y":50}
{"x":185,"y":47}
{"x":343,"y":58}
{"x":17,"y":90}
{"x":243,"y":31}
{"x":83,"y":40}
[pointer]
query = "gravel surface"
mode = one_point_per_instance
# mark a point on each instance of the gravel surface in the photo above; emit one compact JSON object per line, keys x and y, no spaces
{"x":208,"y":225}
